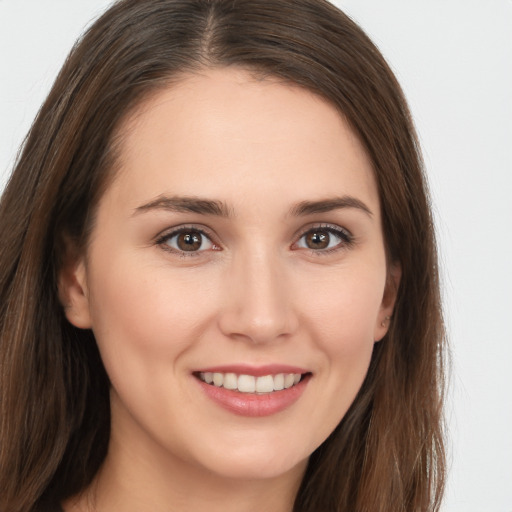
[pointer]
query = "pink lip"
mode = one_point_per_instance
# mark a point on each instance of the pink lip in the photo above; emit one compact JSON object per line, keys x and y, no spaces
{"x":253,"y":404}
{"x":256,"y":371}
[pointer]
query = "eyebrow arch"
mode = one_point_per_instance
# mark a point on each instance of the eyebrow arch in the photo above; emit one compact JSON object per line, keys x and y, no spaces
{"x":326,"y":205}
{"x":186,"y":204}
{"x":191,"y":204}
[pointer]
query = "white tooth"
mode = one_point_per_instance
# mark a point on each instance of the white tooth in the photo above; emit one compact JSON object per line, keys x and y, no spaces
{"x":218,"y":379}
{"x":207,"y":377}
{"x":265,"y":384}
{"x":230,"y":381}
{"x":296,"y":378}
{"x":279,"y":382}
{"x":288,"y":380}
{"x":246,"y":383}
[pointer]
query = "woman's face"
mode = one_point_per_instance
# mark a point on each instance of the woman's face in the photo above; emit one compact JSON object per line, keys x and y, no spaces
{"x":241,"y":242}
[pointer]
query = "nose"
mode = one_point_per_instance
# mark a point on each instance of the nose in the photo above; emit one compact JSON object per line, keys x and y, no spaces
{"x":257,"y":305}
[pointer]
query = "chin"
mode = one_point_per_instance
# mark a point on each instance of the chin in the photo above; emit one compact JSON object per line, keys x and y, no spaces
{"x":256,"y":463}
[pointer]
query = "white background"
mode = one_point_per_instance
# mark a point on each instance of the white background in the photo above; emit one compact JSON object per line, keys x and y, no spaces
{"x":454,"y":60}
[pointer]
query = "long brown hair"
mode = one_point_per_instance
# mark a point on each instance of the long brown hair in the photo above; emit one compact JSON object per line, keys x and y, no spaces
{"x":387,"y":454}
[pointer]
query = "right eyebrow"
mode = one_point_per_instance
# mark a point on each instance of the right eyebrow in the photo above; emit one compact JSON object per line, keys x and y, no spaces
{"x":186,"y":204}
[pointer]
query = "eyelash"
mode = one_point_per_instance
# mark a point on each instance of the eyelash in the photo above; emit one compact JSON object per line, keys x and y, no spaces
{"x":346,"y":240}
{"x":163,"y":241}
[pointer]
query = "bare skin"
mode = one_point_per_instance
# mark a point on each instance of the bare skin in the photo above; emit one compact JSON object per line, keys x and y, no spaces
{"x":242,"y":229}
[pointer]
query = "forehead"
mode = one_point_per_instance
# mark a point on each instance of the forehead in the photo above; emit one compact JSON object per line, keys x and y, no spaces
{"x":225,"y":133}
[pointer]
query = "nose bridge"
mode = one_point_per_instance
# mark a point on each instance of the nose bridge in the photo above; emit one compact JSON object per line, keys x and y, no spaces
{"x":259,"y":304}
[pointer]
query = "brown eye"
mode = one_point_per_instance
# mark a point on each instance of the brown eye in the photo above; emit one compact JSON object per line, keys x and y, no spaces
{"x":324,"y":239}
{"x":189,"y":240}
{"x":317,"y":240}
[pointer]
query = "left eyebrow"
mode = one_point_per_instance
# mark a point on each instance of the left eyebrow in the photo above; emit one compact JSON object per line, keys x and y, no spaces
{"x":326,"y":205}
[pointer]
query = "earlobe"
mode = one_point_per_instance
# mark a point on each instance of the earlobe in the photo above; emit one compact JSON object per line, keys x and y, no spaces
{"x":73,"y":293}
{"x":385,"y":315}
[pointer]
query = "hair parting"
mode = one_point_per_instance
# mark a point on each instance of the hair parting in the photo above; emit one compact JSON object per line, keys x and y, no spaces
{"x":387,"y":454}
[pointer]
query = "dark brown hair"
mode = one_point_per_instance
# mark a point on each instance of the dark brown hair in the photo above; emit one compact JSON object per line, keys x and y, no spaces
{"x":387,"y":454}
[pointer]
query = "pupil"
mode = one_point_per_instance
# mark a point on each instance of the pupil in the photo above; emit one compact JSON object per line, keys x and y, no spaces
{"x":189,"y":241}
{"x":318,"y":240}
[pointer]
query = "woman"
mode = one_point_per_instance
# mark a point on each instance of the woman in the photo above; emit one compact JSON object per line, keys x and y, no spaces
{"x":219,"y":282}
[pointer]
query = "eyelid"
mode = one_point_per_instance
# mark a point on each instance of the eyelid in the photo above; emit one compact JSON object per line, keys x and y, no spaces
{"x":169,"y":233}
{"x":347,"y":238}
{"x":344,"y":234}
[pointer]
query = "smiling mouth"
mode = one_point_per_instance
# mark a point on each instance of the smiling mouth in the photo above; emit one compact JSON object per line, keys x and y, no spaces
{"x":243,"y":383}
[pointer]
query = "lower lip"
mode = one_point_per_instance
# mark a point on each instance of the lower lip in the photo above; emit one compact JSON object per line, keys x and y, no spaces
{"x":252,"y":404}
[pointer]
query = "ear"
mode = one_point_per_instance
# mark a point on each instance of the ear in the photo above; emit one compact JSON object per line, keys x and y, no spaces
{"x":72,"y":287}
{"x":388,"y":301}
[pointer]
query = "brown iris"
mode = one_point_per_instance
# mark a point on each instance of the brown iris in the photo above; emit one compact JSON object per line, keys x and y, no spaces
{"x":317,"y":239}
{"x":189,"y":241}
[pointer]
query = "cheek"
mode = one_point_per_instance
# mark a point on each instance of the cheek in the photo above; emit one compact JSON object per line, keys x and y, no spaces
{"x":344,"y":310}
{"x":340,"y":316}
{"x":343,"y":320}
{"x":142,"y":316}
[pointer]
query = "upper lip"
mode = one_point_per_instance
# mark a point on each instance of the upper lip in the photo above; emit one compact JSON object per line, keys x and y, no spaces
{"x":256,"y":371}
